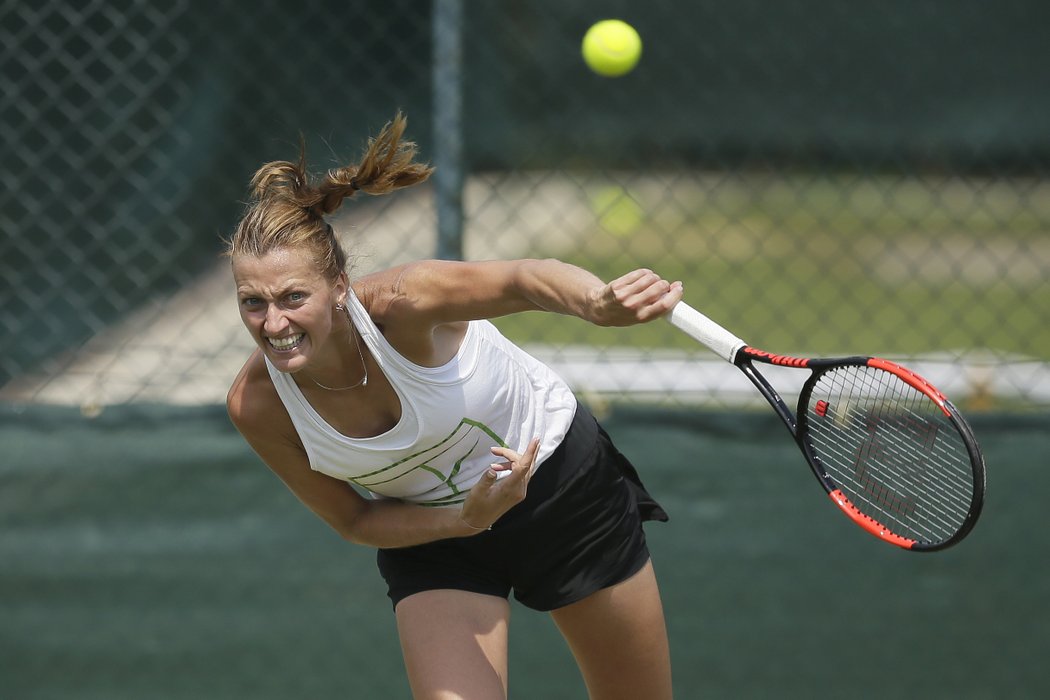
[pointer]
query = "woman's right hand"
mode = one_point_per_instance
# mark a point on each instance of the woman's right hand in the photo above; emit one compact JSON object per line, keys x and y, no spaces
{"x":499,"y":491}
{"x":639,"y":296}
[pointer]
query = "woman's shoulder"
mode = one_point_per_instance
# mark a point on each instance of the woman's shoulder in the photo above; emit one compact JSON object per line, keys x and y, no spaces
{"x":419,"y":291}
{"x":409,"y":306}
{"x":252,"y":397}
{"x":385,"y":290}
{"x":396,"y":298}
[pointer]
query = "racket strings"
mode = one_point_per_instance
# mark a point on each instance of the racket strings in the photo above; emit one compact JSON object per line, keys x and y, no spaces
{"x":892,"y":451}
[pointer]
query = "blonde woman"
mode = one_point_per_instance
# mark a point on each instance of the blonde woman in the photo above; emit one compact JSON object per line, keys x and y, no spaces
{"x":395,"y":411}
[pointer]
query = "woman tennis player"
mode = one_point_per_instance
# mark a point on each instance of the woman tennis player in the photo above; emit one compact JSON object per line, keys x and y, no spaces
{"x":399,"y":415}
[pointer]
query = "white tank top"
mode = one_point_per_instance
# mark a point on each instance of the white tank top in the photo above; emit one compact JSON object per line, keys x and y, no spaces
{"x":491,"y":393}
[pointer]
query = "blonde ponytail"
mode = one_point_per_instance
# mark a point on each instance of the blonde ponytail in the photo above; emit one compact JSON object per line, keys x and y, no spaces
{"x":287,"y":210}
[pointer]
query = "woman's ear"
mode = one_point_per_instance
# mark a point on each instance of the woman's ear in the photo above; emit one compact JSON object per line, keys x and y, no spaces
{"x":341,"y":288}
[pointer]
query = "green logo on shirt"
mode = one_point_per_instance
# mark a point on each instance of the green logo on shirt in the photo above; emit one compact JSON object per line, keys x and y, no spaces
{"x":443,"y":460}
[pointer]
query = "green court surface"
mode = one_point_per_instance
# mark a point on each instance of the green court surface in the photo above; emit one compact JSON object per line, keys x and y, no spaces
{"x":146,"y":553}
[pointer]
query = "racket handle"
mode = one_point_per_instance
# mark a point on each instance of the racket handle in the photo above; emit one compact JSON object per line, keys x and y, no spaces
{"x":694,"y":324}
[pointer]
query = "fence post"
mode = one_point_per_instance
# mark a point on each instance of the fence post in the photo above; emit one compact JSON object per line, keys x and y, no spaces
{"x":447,"y":29}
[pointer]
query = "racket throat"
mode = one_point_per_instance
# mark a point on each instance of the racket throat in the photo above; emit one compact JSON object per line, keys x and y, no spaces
{"x":771,"y":395}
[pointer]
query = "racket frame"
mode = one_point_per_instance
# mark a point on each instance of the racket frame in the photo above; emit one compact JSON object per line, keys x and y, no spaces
{"x":743,"y":356}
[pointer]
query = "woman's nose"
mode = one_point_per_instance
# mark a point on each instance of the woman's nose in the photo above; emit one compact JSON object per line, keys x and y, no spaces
{"x":275,"y":321}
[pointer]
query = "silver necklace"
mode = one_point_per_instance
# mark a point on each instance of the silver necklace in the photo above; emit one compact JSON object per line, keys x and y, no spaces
{"x":357,"y":342}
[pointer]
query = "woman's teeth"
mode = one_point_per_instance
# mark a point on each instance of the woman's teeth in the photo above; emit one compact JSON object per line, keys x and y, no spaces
{"x":286,"y":343}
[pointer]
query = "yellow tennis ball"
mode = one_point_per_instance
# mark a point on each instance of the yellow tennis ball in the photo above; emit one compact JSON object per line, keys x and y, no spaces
{"x":611,"y":47}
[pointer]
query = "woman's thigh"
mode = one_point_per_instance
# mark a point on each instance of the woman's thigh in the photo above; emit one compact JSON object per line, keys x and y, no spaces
{"x":619,"y":638}
{"x":455,"y":644}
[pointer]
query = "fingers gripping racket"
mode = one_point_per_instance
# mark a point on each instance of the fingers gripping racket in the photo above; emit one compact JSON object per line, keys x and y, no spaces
{"x":890,"y":449}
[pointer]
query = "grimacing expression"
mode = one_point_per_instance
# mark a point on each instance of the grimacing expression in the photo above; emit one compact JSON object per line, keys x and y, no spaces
{"x":286,"y":305}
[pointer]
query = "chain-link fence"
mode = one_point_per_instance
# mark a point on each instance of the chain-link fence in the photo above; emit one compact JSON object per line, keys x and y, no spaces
{"x":824,"y":179}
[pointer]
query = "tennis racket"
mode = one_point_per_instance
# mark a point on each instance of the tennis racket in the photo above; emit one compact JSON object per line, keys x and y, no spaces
{"x":890,"y":450}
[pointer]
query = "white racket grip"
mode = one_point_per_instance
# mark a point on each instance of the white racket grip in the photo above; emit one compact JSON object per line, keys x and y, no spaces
{"x":694,"y":324}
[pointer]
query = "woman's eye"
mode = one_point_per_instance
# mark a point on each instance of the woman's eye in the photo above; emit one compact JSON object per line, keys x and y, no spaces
{"x":250,"y":301}
{"x":296,"y":297}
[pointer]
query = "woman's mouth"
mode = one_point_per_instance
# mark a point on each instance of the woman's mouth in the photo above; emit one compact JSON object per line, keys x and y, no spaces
{"x":287,"y":343}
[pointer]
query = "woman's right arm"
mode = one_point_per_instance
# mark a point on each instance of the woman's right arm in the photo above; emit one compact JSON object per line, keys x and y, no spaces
{"x":258,"y":414}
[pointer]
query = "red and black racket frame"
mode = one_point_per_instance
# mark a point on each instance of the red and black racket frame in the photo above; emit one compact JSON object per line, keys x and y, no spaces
{"x":797,"y":424}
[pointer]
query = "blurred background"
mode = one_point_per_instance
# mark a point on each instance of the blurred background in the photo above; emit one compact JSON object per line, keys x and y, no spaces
{"x":826,"y":178}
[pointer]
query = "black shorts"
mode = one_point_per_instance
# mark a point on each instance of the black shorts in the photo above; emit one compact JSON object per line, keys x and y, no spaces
{"x":578,"y":530}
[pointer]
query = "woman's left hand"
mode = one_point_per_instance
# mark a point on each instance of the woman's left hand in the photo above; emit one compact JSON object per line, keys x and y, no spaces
{"x":498,"y":491}
{"x":637,"y":297}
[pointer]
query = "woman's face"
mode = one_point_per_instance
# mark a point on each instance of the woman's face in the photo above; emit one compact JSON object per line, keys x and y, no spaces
{"x":286,"y":305}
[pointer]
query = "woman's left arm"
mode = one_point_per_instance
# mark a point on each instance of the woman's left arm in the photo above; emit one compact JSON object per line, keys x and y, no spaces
{"x":636,"y":297}
{"x":446,"y":292}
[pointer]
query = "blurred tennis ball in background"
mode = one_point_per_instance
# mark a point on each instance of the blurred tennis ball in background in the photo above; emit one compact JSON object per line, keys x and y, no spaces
{"x":618,"y":212}
{"x":611,"y":47}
